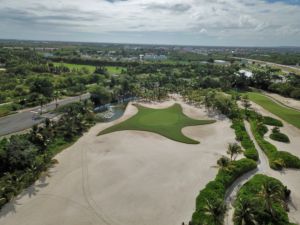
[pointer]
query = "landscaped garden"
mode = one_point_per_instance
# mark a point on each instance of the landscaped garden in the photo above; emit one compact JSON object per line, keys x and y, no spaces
{"x":167,"y":122}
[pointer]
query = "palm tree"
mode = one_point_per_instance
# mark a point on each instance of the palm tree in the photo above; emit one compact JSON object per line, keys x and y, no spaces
{"x":223,"y":162}
{"x":42,"y":101}
{"x":233,"y":150}
{"x":215,"y":209}
{"x":244,"y":213}
{"x":271,"y":193}
{"x":56,"y":96}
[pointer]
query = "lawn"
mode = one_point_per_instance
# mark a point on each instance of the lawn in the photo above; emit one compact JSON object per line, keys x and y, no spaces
{"x":115,"y":69}
{"x":91,"y":69}
{"x":287,"y":114}
{"x":167,"y":122}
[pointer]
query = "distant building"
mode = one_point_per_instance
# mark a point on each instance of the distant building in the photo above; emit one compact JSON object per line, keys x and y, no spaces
{"x":153,"y":57}
{"x":247,"y":73}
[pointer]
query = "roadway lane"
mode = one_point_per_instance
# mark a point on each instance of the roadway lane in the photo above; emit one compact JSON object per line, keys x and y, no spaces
{"x":24,"y":119}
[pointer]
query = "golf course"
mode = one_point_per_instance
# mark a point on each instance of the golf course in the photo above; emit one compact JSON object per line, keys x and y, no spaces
{"x":288,"y":114}
{"x":167,"y":122}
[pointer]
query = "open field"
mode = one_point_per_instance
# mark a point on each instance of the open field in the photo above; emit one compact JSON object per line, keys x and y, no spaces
{"x":91,"y":69}
{"x":290,"y":115}
{"x":126,"y":177}
{"x":167,"y":122}
{"x":114,"y":69}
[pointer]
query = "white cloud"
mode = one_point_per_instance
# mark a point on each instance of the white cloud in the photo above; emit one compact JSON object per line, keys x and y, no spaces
{"x":244,"y":20}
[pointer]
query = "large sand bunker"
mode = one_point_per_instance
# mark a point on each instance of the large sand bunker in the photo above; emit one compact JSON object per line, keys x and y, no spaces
{"x":125,"y":178}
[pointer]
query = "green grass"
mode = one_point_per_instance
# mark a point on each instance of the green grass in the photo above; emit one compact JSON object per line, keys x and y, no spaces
{"x":91,"y":69}
{"x":167,"y":122}
{"x":7,"y":109}
{"x":287,"y":114}
{"x":114,"y":69}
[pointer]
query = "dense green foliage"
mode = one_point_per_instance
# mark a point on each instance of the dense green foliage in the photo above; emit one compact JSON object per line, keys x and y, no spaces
{"x":277,"y":159}
{"x":272,"y":121}
{"x":291,"y":116}
{"x":214,"y":192}
{"x":24,"y":157}
{"x":166,"y":122}
{"x":278,"y":136}
{"x":262,"y":200}
{"x":242,"y":136}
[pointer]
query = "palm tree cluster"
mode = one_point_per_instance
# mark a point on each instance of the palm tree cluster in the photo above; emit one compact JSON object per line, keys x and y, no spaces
{"x":24,"y":157}
{"x":262,"y":201}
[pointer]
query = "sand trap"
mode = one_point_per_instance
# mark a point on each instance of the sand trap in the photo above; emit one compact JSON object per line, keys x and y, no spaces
{"x":289,"y":177}
{"x":125,"y":178}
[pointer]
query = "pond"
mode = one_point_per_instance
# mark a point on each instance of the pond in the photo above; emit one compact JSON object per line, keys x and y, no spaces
{"x":114,"y":112}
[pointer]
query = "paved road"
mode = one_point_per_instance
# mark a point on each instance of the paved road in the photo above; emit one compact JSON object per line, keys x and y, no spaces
{"x":24,"y":119}
{"x":297,"y":69}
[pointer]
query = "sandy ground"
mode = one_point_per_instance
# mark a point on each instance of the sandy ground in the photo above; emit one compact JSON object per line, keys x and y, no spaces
{"x":289,"y":177}
{"x":125,"y":178}
{"x":284,"y":100}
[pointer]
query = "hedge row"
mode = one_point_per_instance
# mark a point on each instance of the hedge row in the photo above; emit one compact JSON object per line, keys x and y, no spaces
{"x":214,"y":192}
{"x":242,"y":136}
{"x":280,"y":137}
{"x":272,"y":121}
{"x":277,"y":159}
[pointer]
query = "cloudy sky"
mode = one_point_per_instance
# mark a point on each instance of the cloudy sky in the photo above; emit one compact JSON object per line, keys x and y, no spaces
{"x":192,"y":22}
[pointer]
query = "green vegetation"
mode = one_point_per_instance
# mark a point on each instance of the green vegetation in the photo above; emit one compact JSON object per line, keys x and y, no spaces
{"x":272,"y":121}
{"x":210,"y":206}
{"x":23,"y":158}
{"x":262,"y":200}
{"x":115,"y":70}
{"x":76,"y":67}
{"x":277,"y":159}
{"x":289,"y":115}
{"x":278,"y":136}
{"x":166,"y":122}
{"x":242,"y":136}
{"x":7,"y":109}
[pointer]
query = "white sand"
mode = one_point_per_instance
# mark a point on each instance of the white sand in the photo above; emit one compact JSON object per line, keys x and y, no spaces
{"x":289,"y":177}
{"x":125,"y":178}
{"x":284,"y":100}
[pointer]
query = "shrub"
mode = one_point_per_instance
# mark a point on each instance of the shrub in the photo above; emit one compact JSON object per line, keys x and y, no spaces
{"x":242,"y":136}
{"x":280,"y":137}
{"x":215,"y":191}
{"x":272,"y":121}
{"x":277,"y":159}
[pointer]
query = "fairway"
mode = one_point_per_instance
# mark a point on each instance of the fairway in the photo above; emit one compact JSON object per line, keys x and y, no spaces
{"x":71,"y":66}
{"x":167,"y":122}
{"x":287,"y":114}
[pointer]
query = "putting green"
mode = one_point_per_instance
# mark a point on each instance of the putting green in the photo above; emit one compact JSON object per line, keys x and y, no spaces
{"x":167,"y":122}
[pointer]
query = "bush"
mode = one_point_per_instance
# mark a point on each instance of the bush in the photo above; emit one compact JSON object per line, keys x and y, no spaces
{"x":215,"y":190}
{"x":272,"y":121}
{"x":280,"y":137}
{"x":277,"y":159}
{"x":242,"y":136}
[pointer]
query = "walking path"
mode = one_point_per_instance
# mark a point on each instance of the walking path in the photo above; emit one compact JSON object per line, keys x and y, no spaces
{"x":263,"y":166}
